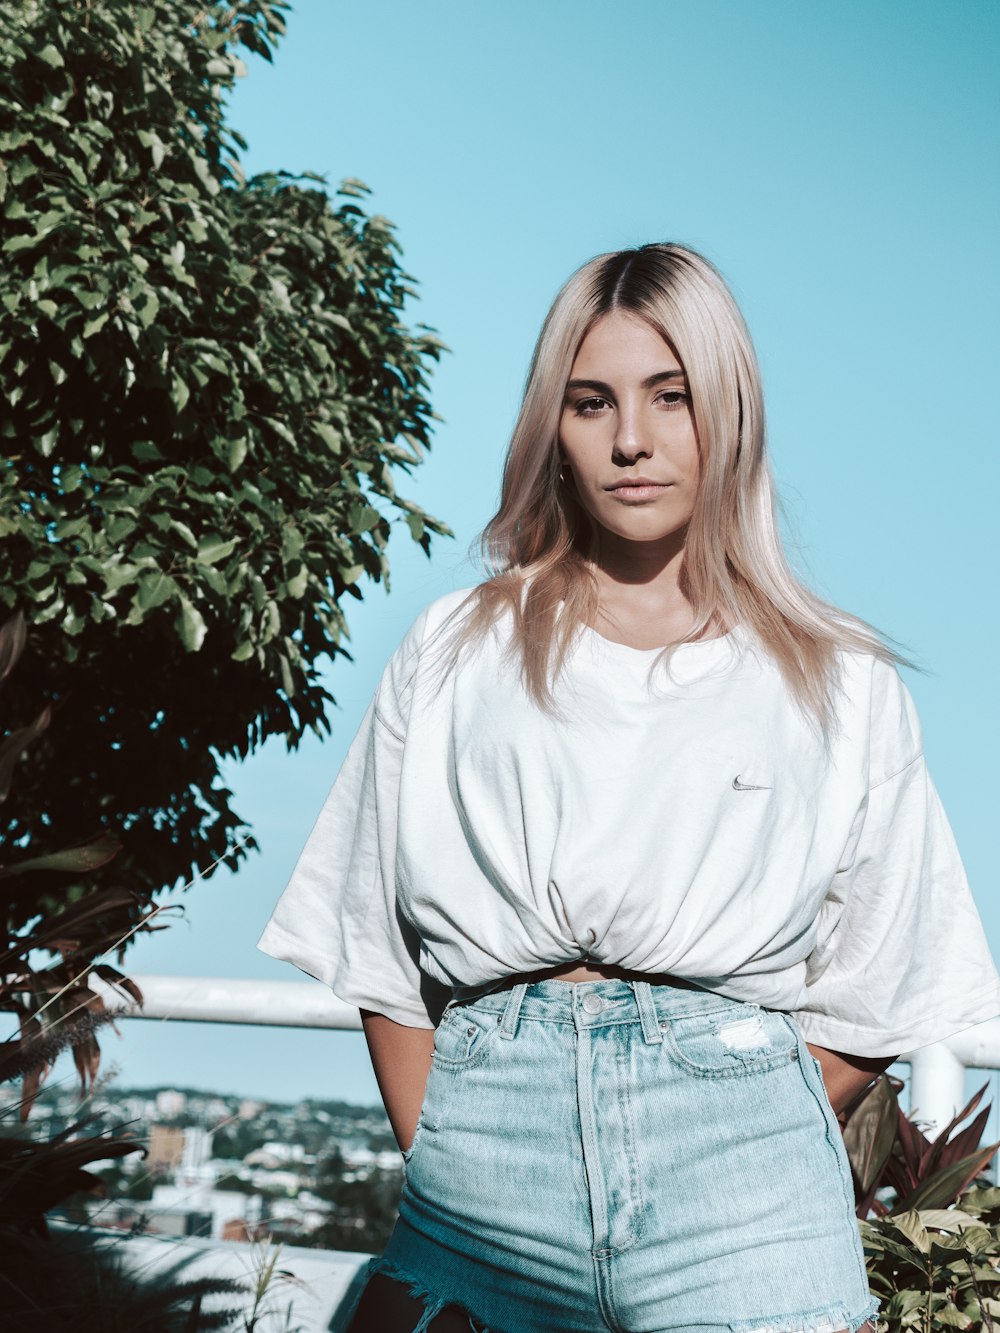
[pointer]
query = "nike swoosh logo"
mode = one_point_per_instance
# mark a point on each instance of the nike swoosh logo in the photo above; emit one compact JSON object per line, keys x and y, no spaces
{"x":746,"y":786}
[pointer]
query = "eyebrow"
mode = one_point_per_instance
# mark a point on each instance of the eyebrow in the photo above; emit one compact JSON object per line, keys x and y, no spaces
{"x":650,"y":382}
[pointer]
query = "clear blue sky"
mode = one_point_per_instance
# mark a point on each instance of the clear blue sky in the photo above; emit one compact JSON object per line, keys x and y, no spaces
{"x":838,"y":162}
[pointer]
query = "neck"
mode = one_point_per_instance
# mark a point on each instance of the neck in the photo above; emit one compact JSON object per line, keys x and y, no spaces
{"x":646,"y":570}
{"x":640,"y":590}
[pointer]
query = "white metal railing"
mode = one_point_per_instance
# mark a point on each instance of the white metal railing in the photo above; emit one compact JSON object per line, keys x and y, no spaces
{"x":937,"y":1073}
{"x":288,"y":1004}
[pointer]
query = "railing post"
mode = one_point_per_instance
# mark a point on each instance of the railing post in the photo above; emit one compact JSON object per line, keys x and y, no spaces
{"x":937,"y":1086}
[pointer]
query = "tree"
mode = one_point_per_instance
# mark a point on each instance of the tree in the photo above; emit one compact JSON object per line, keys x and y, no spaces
{"x":207,"y":389}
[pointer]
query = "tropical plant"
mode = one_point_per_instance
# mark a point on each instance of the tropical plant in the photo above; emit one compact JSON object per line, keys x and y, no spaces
{"x":887,"y":1150}
{"x":932,"y":1250}
{"x":208,"y":391}
{"x":43,"y":983}
{"x":937,"y":1269}
{"x":36,"y":1176}
{"x":79,"y":1282}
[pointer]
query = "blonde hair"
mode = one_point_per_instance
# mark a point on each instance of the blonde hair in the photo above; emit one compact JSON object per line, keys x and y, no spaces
{"x":735,"y":571}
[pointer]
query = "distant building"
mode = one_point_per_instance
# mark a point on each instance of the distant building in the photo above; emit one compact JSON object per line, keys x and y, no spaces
{"x":166,"y":1148}
{"x":177,"y":1222}
{"x":250,"y":1109}
{"x":197,"y":1150}
{"x":243,"y":1231}
{"x":174,"y":1208}
{"x":170,"y":1103}
{"x":266,"y":1178}
{"x":134,"y":1108}
{"x":275,"y":1154}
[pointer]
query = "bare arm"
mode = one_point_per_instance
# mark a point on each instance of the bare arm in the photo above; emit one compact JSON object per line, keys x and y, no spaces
{"x":845,"y":1075}
{"x":401,"y":1058}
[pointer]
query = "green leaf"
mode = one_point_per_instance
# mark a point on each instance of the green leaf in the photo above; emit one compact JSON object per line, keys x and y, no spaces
{"x":95,"y":325}
{"x":85,"y":857}
{"x":292,"y":542}
{"x":154,"y":590}
{"x":287,"y":683}
{"x":151,"y":140}
{"x":363,"y":518}
{"x":212,"y":549}
{"x":215,"y":579}
{"x":204,"y":174}
{"x":51,"y":56}
{"x":913,"y":1229}
{"x":149,"y":309}
{"x":329,"y":436}
{"x":190,"y":625}
{"x":119,"y":527}
{"x":69,"y":527}
{"x":184,"y":532}
{"x":270,"y":622}
{"x":179,"y":392}
{"x":118,"y":574}
{"x":297,"y":585}
{"x":947,"y":1219}
{"x":146,"y":451}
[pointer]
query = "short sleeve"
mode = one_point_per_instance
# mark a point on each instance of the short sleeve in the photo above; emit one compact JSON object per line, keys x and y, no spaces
{"x":338,"y":919}
{"x":901,"y":958}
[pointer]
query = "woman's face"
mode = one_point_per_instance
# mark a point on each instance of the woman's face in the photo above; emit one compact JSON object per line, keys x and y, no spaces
{"x":627,"y":431}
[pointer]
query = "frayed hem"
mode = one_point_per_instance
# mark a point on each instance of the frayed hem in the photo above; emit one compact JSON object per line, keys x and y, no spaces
{"x":433,"y":1303}
{"x":815,"y":1321}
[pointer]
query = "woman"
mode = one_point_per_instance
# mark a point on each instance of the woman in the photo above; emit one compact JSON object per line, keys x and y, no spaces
{"x":634,"y":868}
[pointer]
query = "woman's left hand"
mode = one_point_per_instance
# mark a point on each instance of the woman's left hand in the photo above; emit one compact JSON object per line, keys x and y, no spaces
{"x":846,"y":1075}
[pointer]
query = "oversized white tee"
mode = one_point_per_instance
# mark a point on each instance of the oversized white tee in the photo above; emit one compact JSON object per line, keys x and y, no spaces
{"x":692,"y":822}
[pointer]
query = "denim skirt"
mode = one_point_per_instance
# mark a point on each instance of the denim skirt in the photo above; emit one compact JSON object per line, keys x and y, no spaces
{"x":620,"y":1155}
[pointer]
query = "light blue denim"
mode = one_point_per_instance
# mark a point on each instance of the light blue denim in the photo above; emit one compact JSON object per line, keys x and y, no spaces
{"x":609,"y":1155}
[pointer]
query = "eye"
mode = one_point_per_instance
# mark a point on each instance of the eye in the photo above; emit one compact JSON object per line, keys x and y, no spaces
{"x":589,"y":407}
{"x":673,"y":398}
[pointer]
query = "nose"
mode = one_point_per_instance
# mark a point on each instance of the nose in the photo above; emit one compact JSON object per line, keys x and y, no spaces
{"x":630,"y":440}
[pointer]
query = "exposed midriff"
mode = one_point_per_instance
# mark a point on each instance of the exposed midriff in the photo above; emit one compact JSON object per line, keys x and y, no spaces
{"x":580,"y":971}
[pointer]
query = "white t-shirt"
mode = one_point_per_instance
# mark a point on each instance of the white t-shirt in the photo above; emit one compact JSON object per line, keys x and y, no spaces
{"x":698,"y":826}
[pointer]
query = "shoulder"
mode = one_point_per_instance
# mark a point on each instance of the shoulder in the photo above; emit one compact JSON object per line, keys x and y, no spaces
{"x":432,"y":619}
{"x":396,"y":686}
{"x":882,"y":708}
{"x":443,"y":611}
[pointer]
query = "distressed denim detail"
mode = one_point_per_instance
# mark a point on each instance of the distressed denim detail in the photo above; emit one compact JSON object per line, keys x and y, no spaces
{"x":434,"y":1302}
{"x":813,"y":1321}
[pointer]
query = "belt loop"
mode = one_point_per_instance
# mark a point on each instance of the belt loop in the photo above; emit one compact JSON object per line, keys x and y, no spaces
{"x":508,"y":1022}
{"x":647,"y":1011}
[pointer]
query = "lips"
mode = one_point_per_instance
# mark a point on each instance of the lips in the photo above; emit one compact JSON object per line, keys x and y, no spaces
{"x":635,"y":483}
{"x":634,"y":492}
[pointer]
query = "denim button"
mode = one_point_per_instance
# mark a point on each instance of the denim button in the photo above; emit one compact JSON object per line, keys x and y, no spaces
{"x":593,"y":1003}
